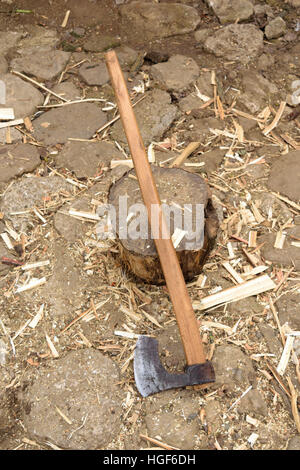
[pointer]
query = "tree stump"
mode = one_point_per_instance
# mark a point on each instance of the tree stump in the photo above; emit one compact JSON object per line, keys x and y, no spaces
{"x":187,"y":201}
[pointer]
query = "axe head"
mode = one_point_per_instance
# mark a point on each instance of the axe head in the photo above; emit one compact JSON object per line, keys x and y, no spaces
{"x":151,"y":377}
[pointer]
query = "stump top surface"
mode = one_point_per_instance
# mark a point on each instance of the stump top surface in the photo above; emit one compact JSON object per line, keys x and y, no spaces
{"x":176,"y":188}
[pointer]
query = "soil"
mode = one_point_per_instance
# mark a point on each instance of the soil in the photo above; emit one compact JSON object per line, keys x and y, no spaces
{"x":86,"y":295}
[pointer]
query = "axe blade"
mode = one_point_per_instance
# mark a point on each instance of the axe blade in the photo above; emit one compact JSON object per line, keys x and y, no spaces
{"x":151,"y":377}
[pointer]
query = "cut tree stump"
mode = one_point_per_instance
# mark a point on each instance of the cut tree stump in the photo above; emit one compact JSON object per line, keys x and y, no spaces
{"x":176,"y":188}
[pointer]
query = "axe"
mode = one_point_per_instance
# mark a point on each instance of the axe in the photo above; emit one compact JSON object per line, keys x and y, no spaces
{"x":150,"y":376}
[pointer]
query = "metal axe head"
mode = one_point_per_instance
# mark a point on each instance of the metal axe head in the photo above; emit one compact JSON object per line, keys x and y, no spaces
{"x":151,"y":377}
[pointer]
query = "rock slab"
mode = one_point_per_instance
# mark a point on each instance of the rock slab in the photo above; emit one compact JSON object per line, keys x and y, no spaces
{"x":94,"y":74}
{"x":275,"y":28}
{"x":42,"y":62}
{"x":21,"y":96}
{"x":285,"y":175}
{"x":80,"y":121}
{"x":86,"y":158}
{"x":154,"y":115}
{"x":176,"y":74}
{"x":160,"y":20}
{"x":228,"y":11}
{"x":241,"y":42}
{"x":27,"y":193}
{"x":16,"y":160}
{"x":81,"y":385}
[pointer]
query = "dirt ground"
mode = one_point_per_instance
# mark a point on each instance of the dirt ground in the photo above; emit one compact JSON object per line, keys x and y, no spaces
{"x":87,"y":294}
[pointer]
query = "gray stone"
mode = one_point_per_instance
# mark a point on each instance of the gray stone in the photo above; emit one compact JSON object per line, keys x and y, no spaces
{"x":4,"y":268}
{"x":80,"y":120}
{"x":243,"y":306}
{"x":268,"y":203}
{"x":67,"y":90}
{"x":3,"y":64}
{"x":160,"y":20}
{"x":21,"y":96}
{"x":204,"y":84}
{"x":8,"y":40}
{"x":174,"y":429}
{"x":265,"y":62}
{"x":199,"y":129}
{"x":10,"y":135}
{"x":288,"y":310}
{"x":73,"y":229}
{"x":154,"y":115}
{"x":241,"y":42}
{"x":189,"y":102}
{"x":202,"y":34}
{"x":211,"y":159}
{"x":285,"y":174}
{"x":275,"y":28}
{"x":38,"y":36}
{"x":126,"y":56}
{"x":82,"y":385}
{"x":257,"y":91}
{"x":228,"y":11}
{"x":271,"y":338}
{"x":287,"y":256}
{"x":294,"y":442}
{"x":213,"y":414}
{"x":176,"y":74}
{"x":16,"y":160}
{"x":232,"y":367}
{"x":97,"y":42}
{"x":64,"y":289}
{"x":27,"y":193}
{"x":87,"y":158}
{"x":264,"y":10}
{"x":94,"y":74}
{"x":42,"y":62}
{"x":253,"y":403}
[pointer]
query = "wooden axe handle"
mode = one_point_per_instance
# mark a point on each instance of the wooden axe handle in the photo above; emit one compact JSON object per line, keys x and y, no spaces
{"x":185,"y":316}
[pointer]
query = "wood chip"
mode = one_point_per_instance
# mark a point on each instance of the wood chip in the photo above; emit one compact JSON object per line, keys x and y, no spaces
{"x":252,"y":239}
{"x":178,"y":236}
{"x":233,"y":272}
{"x":115,"y":163}
{"x":276,"y":119}
{"x":253,"y":287}
{"x":258,"y":217}
{"x":288,"y":201}
{"x":39,"y":85}
{"x":84,"y":215}
{"x":6,"y":114}
{"x":38,"y":264}
{"x":159,"y":443}
{"x":51,"y":346}
{"x":16,"y":122}
{"x":285,"y":355}
{"x":66,"y":19}
{"x":206,"y":324}
{"x":126,"y":334}
{"x":63,"y":415}
{"x":20,"y":330}
{"x":294,"y":404}
{"x":7,"y":241}
{"x":33,"y":283}
{"x":185,"y":154}
{"x":231,"y":254}
{"x":33,"y":323}
{"x":279,"y":240}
